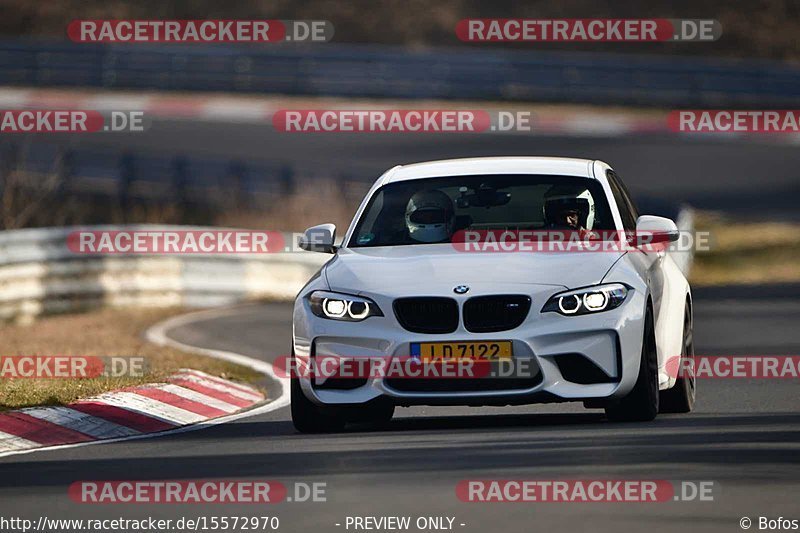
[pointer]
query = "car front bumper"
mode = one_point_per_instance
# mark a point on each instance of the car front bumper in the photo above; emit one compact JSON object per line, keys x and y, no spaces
{"x":549,"y":344}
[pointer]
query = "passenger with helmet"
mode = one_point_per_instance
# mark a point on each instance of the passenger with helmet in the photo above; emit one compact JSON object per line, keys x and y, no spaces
{"x":430,"y":217}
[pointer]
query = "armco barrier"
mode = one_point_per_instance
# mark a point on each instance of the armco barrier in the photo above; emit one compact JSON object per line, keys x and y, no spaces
{"x":466,"y":72}
{"x":39,"y":274}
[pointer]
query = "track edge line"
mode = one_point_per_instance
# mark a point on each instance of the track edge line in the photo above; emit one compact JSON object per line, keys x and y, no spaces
{"x":157,"y":334}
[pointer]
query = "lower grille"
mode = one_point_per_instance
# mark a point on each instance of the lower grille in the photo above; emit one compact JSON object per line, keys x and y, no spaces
{"x":335,"y":383}
{"x":463,"y":385}
{"x":485,"y":314}
{"x":500,"y":377}
{"x":427,"y":314}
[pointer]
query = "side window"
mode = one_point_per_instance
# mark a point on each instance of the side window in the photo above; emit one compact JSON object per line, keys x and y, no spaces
{"x":627,"y":196}
{"x":626,"y":209}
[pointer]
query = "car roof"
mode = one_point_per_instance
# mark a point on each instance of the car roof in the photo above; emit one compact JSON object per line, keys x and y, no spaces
{"x":562,"y":166}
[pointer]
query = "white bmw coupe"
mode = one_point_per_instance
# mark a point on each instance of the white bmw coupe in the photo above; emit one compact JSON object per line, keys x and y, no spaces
{"x":596,"y":325}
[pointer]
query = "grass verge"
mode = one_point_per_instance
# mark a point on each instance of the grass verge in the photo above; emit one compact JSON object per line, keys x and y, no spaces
{"x":746,"y":252}
{"x":98,"y":333}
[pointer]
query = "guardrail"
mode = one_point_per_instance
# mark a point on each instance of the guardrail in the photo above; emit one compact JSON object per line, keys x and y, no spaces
{"x":39,"y":274}
{"x":469,"y":72}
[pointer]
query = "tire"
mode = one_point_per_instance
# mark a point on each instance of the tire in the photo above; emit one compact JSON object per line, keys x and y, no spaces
{"x":681,"y":397}
{"x":641,"y":403}
{"x":308,"y":417}
{"x":376,"y":413}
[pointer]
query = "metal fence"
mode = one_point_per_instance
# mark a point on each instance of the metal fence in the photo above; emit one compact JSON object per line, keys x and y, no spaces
{"x":129,"y":176}
{"x":332,"y":69}
{"x":97,"y":176}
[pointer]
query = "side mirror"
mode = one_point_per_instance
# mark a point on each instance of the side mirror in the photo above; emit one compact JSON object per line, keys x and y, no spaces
{"x":652,"y":229}
{"x":319,"y":239}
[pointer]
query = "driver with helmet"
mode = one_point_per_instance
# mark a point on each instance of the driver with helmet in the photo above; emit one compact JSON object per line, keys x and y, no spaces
{"x":430,"y":217}
{"x":569,"y":211}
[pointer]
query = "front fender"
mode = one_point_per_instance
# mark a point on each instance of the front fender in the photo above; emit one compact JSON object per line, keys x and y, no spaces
{"x":668,"y":305}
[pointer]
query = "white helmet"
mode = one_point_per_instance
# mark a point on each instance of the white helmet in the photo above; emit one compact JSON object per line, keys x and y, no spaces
{"x":558,"y":201}
{"x":430,"y":216}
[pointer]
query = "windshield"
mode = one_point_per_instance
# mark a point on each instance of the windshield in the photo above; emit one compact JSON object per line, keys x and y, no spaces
{"x":431,"y":210}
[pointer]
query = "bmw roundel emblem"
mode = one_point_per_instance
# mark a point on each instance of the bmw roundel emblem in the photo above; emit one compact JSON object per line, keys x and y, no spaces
{"x":461,"y":289}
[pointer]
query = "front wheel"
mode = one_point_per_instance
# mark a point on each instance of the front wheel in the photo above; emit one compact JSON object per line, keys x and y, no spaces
{"x":308,"y":417}
{"x":641,"y":403}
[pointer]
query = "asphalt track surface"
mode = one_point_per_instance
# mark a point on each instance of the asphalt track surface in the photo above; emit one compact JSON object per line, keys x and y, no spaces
{"x":744,"y":436}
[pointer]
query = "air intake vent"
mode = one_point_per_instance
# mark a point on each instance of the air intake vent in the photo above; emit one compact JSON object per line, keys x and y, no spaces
{"x":427,"y":314}
{"x":485,"y":314}
{"x":576,"y":368}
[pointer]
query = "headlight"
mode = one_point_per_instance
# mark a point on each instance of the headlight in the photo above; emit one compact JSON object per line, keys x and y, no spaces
{"x":588,"y":300}
{"x":342,"y":306}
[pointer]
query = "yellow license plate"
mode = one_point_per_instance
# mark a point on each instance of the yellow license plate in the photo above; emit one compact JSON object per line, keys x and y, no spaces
{"x":481,"y":351}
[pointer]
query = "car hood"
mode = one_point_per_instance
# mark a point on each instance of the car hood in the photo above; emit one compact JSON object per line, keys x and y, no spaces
{"x":437,"y":268}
